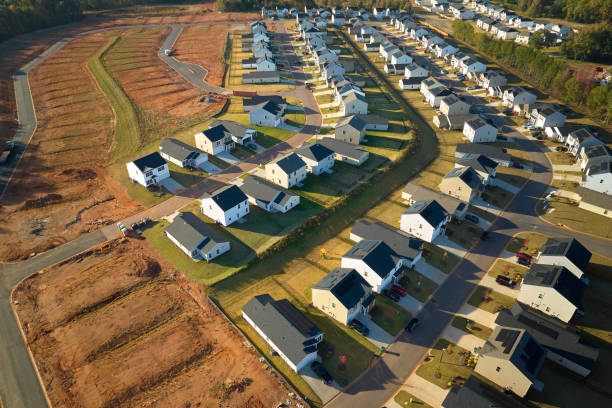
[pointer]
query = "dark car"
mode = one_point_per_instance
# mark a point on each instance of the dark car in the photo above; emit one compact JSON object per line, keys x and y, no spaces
{"x":524,"y":256}
{"x":516,"y":165}
{"x":505,"y":281}
{"x":523,"y":262}
{"x":391,"y":295}
{"x":508,"y":112}
{"x":484,"y":236}
{"x":561,"y":149}
{"x":321,"y":372}
{"x":412,"y":324}
{"x":360,"y":327}
{"x":472,"y":218}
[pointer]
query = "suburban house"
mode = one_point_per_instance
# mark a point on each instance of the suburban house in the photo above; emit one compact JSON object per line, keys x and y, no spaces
{"x":148,"y":170}
{"x":286,"y":330}
{"x":374,"y":122}
{"x":267,"y":114}
{"x":517,"y":95}
{"x":249,"y":104}
{"x":332,"y":69}
{"x":352,"y":103}
{"x":225,"y":205}
{"x":475,"y":393}
{"x":594,"y":201}
{"x":512,"y":359}
{"x":598,"y":178}
{"x":286,"y":171}
{"x":215,"y":140}
{"x":344,"y":151}
{"x":400,"y":58}
{"x":485,"y":23}
{"x":478,"y":130}
{"x":375,"y":261}
{"x":343,"y":294}
{"x":482,"y":165}
{"x":546,"y":114}
{"x":443,"y":49}
{"x":497,"y":154}
{"x":415,"y":71}
{"x":567,"y":252}
{"x":413,"y":192}
{"x":471,"y":65}
{"x":406,"y":246}
{"x":318,"y":158}
{"x":560,"y":133}
{"x":268,"y":196}
{"x":239,"y":133}
{"x":579,"y":139}
{"x":562,"y":342}
{"x":453,"y":105}
{"x":594,"y":155}
{"x":425,"y":220}
{"x":506,"y":33}
{"x":523,"y":37}
{"x":261,"y":77}
{"x":491,"y":78}
{"x":553,"y":290}
{"x":181,"y":153}
{"x":452,"y":122}
{"x":462,"y":183}
{"x":265,"y":64}
{"x":433,"y":91}
{"x":350,"y":129}
{"x":462,"y":13}
{"x":196,"y":238}
{"x":410,"y":83}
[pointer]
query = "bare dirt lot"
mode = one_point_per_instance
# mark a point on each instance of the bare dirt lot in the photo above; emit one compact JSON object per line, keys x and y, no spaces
{"x":118,"y":326}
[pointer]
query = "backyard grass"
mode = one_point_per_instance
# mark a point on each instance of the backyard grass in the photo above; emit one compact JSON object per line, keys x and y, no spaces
{"x":576,"y":218}
{"x":528,"y":242}
{"x":405,"y":399}
{"x":489,"y":216}
{"x":439,"y":258}
{"x":464,"y":233}
{"x":295,"y":118}
{"x":390,"y":316}
{"x":489,"y":300}
{"x":242,"y":152}
{"x":512,"y":176}
{"x":497,"y":196}
{"x":476,"y":329}
{"x":446,"y":367}
{"x":417,"y":285}
{"x":511,"y":270}
{"x":327,"y":188}
{"x":561,"y":158}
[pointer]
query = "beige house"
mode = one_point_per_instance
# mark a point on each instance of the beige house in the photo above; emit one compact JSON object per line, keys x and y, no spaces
{"x":452,"y":105}
{"x":343,"y":294}
{"x":286,"y":171}
{"x":512,"y":359}
{"x":462,"y":183}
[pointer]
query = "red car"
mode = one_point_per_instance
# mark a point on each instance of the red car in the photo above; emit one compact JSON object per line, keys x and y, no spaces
{"x":399,"y":290}
{"x":524,"y":256}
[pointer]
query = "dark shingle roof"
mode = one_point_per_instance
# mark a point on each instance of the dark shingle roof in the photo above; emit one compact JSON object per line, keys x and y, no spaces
{"x":376,"y":254}
{"x":404,"y":245}
{"x":373,"y":119}
{"x":352,"y":121}
{"x":477,"y":394}
{"x":600,"y":168}
{"x":420,"y":193}
{"x":478,"y":162}
{"x":343,"y":148}
{"x":284,"y":325}
{"x":150,"y":161}
{"x":235,"y":129}
{"x":262,"y":75}
{"x":190,"y":231}
{"x":263,"y":190}
{"x":215,"y":133}
{"x":492,"y":152}
{"x":227,"y":196}
{"x":570,"y":248}
{"x":177,"y":149}
{"x":430,"y":210}
{"x":346,"y":285}
{"x":314,"y":151}
{"x":595,"y":198}
{"x":290,"y":163}
{"x":477,"y":123}
{"x":558,"y":277}
{"x":467,"y":174}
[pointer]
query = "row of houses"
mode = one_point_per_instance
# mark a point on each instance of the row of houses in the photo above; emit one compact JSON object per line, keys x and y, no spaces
{"x":257,"y":42}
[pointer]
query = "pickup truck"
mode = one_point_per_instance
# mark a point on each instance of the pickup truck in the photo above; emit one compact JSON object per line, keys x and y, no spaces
{"x":9,"y":146}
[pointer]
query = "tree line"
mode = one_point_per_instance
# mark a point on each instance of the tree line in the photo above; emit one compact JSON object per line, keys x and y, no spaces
{"x":249,"y":5}
{"x":580,"y":11}
{"x":576,"y":86}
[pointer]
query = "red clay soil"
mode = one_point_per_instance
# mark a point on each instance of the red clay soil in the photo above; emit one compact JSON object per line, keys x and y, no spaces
{"x":119,"y":326}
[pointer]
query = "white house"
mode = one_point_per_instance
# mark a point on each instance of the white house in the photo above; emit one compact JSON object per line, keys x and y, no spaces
{"x":267,"y":114}
{"x":353,"y":103}
{"x":517,"y":95}
{"x":462,"y":13}
{"x":579,"y":139}
{"x":443,"y":49}
{"x":318,"y":158}
{"x":566,"y":252}
{"x":215,"y":140}
{"x":593,"y":155}
{"x":507,"y":33}
{"x":265,"y":64}
{"x":268,"y":196}
{"x":553,"y":290}
{"x":148,"y":170}
{"x":415,"y":71}
{"x":471,"y":65}
{"x":375,"y":261}
{"x":196,"y":238}
{"x":481,"y":164}
{"x":401,"y":58}
{"x":181,"y":153}
{"x":286,"y":330}
{"x":425,"y":220}
{"x":338,"y":19}
{"x":286,"y":171}
{"x":379,"y":13}
{"x":479,"y":131}
{"x":452,"y":105}
{"x":225,"y":205}
{"x":546,"y":115}
{"x":410,"y":84}
{"x":239,"y":133}
{"x":599,"y":178}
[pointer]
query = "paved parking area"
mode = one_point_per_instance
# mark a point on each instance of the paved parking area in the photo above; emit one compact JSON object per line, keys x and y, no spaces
{"x":377,"y":336}
{"x":324,"y":391}
{"x":209,"y":168}
{"x":172,"y":185}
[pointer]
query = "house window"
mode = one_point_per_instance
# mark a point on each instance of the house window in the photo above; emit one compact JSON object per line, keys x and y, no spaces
{"x":160,"y":168}
{"x":148,"y":173}
{"x":498,"y":369}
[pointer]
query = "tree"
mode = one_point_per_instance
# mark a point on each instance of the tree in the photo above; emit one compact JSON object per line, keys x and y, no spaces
{"x":573,"y":92}
{"x":599,"y":102}
{"x":541,"y":38}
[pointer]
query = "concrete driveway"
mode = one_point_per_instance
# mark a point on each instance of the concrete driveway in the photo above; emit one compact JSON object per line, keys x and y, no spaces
{"x":172,"y":185}
{"x":377,"y":336}
{"x":446,"y":244}
{"x":430,"y":272}
{"x":209,"y":168}
{"x":410,"y":304}
{"x":227,"y":156}
{"x":325,"y":391}
{"x":506,"y":186}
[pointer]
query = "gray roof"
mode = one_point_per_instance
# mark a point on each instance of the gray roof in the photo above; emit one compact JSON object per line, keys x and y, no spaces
{"x":190,"y":231}
{"x":373,"y":119}
{"x":552,"y":333}
{"x":150,"y":161}
{"x":467,"y":174}
{"x":177,"y":149}
{"x":287,"y":327}
{"x":265,"y":191}
{"x":236,"y":129}
{"x":347,"y":285}
{"x":559,"y":278}
{"x":227,"y":196}
{"x":343,"y":148}
{"x":376,"y":254}
{"x":314,"y":151}
{"x":290,"y":163}
{"x":600,"y":168}
{"x":596,"y":151}
{"x":420,"y":193}
{"x":581,"y":134}
{"x":570,"y":248}
{"x":258,"y":99}
{"x":595,"y":198}
{"x":478,"y":162}
{"x":262,"y":75}
{"x":477,"y":123}
{"x":477,"y":394}
{"x":492,"y":152}
{"x":352,"y":121}
{"x":430,"y":210}
{"x":403,"y":244}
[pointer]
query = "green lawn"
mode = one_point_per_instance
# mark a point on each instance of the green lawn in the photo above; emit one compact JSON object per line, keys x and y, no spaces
{"x":464,"y":233}
{"x":475,"y":329}
{"x":295,"y":118}
{"x":566,"y":213}
{"x":512,"y":176}
{"x":389,"y":315}
{"x":510,"y":270}
{"x":497,"y":196}
{"x":327,"y":188}
{"x":222,"y":164}
{"x":241,"y":152}
{"x":489,"y":300}
{"x":446,"y":368}
{"x":417,"y":285}
{"x":489,"y":216}
{"x":440,"y":259}
{"x":528,"y":242}
{"x":405,"y":399}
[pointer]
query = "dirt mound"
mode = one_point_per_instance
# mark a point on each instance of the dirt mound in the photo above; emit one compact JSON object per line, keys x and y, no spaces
{"x":146,"y":267}
{"x":43,"y":201}
{"x":79,"y":174}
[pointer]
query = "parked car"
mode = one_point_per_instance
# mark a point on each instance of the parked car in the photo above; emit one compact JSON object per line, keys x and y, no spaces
{"x":472,"y":218}
{"x":399,"y":290}
{"x":508,"y":112}
{"x":528,"y":126}
{"x":391,"y":295}
{"x":360,"y":327}
{"x":561,"y":149}
{"x":523,"y":262}
{"x":412,"y":324}
{"x":484,"y":236}
{"x":471,"y":88}
{"x":516,"y":165}
{"x":524,"y":256}
{"x":505,"y":281}
{"x":321,"y":372}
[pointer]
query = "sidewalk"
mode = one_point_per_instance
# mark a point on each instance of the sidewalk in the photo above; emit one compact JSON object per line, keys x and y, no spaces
{"x":566,"y":167}
{"x":478,"y":315}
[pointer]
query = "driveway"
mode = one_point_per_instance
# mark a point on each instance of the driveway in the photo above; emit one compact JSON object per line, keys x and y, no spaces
{"x":209,"y":168}
{"x":377,"y":336}
{"x":430,"y":272}
{"x":410,"y":304}
{"x":446,"y":244}
{"x":227,"y":156}
{"x":462,"y":338}
{"x":506,"y":186}
{"x":172,"y":185}
{"x":324,"y":391}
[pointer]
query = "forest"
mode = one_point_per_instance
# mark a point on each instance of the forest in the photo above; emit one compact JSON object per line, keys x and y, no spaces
{"x":579,"y":11}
